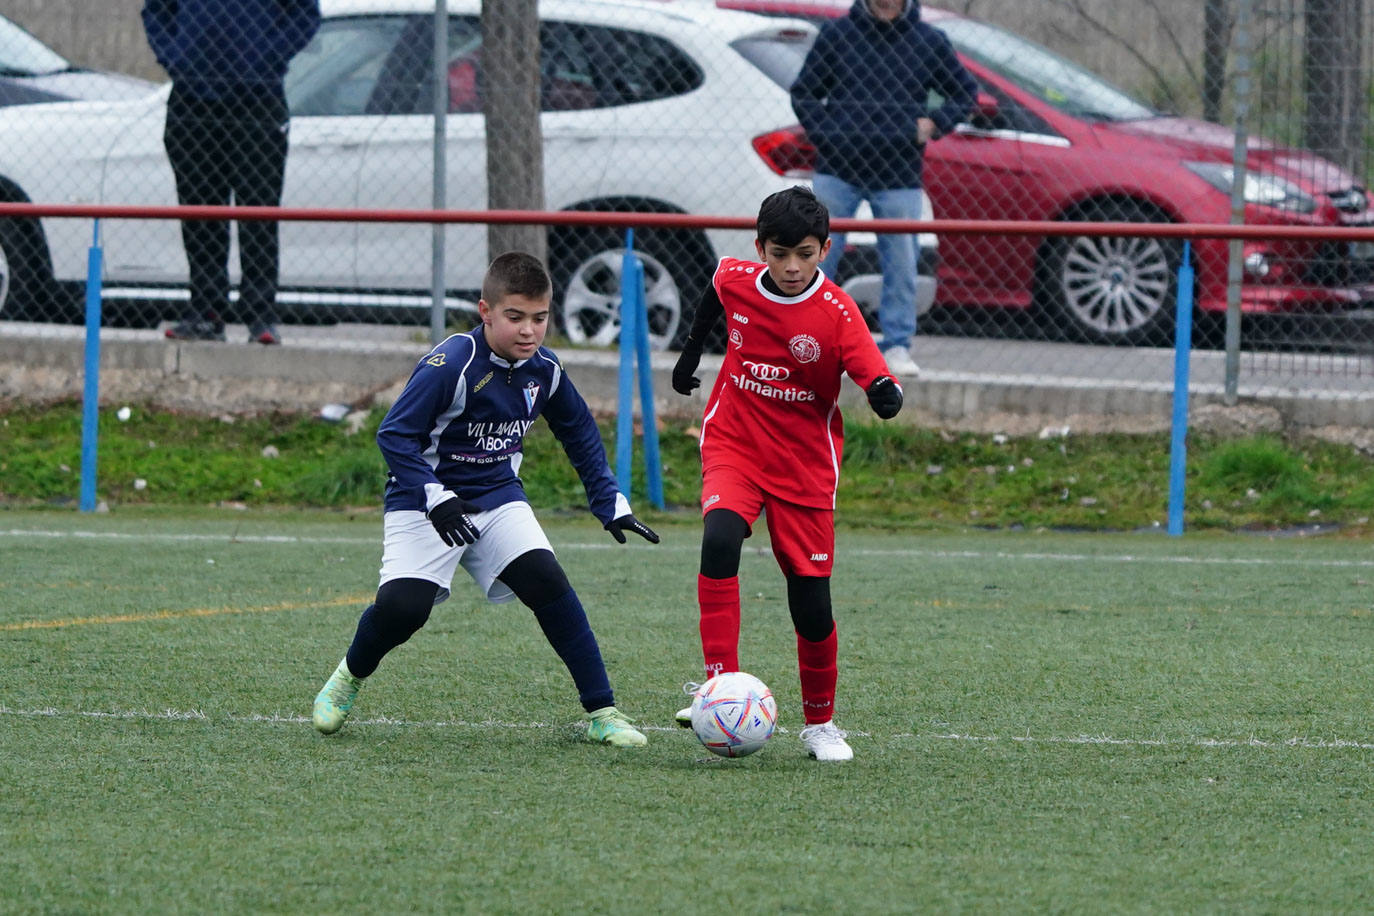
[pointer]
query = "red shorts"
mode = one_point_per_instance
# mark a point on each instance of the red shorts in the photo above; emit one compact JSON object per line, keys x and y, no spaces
{"x":803,"y":537}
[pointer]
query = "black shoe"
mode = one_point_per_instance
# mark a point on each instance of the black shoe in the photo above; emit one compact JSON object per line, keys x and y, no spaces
{"x":263,"y":333}
{"x":196,"y":329}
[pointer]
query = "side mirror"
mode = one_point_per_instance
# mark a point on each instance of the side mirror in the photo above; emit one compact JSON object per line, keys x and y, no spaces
{"x":985,"y":109}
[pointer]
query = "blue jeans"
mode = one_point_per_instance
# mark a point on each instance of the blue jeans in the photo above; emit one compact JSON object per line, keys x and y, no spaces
{"x":896,"y":253}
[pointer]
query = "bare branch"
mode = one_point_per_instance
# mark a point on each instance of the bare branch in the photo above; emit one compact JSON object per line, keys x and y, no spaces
{"x":1077,"y":8}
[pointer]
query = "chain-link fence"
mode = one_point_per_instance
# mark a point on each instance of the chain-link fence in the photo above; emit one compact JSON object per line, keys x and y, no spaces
{"x":1076,"y":110}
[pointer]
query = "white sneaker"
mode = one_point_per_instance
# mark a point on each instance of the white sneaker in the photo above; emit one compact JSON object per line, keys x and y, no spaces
{"x":899,"y":361}
{"x":826,"y":742}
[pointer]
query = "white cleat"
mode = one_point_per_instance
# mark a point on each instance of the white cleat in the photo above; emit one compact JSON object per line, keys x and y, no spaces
{"x":684,"y":716}
{"x":826,"y":742}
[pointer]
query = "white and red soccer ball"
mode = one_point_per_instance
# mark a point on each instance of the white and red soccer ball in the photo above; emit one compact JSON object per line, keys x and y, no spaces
{"x":733,"y":714}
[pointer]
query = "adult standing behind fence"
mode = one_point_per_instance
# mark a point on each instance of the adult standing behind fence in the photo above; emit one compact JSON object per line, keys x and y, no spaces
{"x":862,"y":96}
{"x":226,"y":136}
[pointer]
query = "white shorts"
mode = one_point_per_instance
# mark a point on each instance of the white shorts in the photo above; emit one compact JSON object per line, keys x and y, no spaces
{"x":412,"y":549}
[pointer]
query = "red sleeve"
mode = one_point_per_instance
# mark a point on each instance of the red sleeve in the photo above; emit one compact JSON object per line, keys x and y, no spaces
{"x":860,"y":355}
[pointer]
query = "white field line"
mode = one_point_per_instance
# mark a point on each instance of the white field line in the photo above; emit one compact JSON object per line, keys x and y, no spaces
{"x":195,"y":715}
{"x":915,"y":552}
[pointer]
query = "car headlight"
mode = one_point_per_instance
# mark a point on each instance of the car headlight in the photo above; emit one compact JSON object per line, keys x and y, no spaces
{"x":1260,"y":187}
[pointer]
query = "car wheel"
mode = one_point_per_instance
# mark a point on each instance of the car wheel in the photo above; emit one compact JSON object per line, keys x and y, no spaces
{"x":587,"y":269}
{"x":13,"y":273}
{"x":27,"y":290}
{"x":1112,"y":290}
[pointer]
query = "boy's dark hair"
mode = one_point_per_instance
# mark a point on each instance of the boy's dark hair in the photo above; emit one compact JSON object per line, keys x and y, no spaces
{"x":515,"y":274}
{"x":787,"y":217}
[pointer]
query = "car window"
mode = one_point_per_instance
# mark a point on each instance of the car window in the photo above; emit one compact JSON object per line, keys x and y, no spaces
{"x":629,"y":66}
{"x":341,"y":72}
{"x":23,"y":55}
{"x":1011,"y":115}
{"x":1054,"y":80}
{"x":581,"y":67}
{"x":567,"y":71}
{"x":780,"y":57}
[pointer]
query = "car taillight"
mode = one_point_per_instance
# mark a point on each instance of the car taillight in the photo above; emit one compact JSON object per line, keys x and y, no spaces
{"x":787,"y":151}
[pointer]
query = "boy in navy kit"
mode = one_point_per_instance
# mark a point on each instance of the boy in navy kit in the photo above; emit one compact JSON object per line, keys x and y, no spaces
{"x":453,"y":443}
{"x":772,"y":439}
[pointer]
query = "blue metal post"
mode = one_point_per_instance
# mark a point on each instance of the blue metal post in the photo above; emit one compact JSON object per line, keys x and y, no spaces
{"x":653,"y":466}
{"x":624,"y":426}
{"x":1183,"y":345}
{"x":90,"y":398}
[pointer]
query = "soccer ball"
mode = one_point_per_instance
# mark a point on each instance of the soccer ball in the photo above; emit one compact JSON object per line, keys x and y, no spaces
{"x":733,"y":714}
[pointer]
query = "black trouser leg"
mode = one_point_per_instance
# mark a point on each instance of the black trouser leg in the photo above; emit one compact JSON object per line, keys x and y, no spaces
{"x":194,"y":149}
{"x":258,"y":173}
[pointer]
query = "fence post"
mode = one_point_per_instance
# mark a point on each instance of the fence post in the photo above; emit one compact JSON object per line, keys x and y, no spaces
{"x":90,"y":398}
{"x":624,"y":426}
{"x":438,"y":313}
{"x":1236,"y":248}
{"x":634,"y":348}
{"x":1183,"y":345}
{"x":653,"y":467}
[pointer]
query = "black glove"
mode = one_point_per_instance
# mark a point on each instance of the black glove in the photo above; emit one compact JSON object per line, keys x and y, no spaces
{"x":450,"y":519}
{"x":683,"y":379}
{"x":885,"y":397}
{"x":618,"y":526}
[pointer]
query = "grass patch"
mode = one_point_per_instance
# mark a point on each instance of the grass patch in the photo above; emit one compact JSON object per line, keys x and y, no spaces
{"x":894,"y":475}
{"x":1041,"y":722}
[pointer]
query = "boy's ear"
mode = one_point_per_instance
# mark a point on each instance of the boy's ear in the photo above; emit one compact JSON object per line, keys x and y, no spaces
{"x":825,"y":248}
{"x":758,"y":246}
{"x":484,"y":310}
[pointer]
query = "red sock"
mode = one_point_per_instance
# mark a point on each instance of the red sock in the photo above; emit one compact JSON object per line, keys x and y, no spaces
{"x":719,"y":600}
{"x":816,"y":661}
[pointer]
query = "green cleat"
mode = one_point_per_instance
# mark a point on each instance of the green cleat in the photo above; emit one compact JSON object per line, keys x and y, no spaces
{"x":335,"y":700}
{"x":608,"y":725}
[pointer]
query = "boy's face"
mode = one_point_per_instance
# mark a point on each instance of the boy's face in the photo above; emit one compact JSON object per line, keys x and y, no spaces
{"x":515,"y":325}
{"x":792,"y":268}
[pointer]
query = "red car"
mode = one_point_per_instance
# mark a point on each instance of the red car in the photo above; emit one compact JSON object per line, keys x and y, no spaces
{"x":1052,"y":141}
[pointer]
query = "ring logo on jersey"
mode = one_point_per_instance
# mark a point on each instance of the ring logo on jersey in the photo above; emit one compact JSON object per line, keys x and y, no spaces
{"x":438,"y":359}
{"x":736,"y":338}
{"x":804,"y":348}
{"x":531,"y":393}
{"x":767,"y":373}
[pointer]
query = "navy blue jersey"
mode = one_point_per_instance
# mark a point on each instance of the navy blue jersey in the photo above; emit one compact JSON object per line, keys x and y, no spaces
{"x":461,"y":421}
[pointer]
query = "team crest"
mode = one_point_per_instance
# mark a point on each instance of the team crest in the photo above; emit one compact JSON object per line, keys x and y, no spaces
{"x":804,"y":348}
{"x":437,"y":359}
{"x":736,"y":338}
{"x":531,"y":393}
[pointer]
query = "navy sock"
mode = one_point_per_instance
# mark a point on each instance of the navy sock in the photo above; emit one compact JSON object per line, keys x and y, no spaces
{"x":565,"y":626}
{"x":402,"y":607}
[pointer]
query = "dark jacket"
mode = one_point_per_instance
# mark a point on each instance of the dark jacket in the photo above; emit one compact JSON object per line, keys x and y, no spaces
{"x":215,"y":48}
{"x":864,"y":85}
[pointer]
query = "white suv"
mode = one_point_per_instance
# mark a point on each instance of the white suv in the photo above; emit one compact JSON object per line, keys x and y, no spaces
{"x":646,"y":106}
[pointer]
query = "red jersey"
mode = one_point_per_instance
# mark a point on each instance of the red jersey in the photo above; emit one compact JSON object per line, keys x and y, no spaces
{"x":774,"y":410}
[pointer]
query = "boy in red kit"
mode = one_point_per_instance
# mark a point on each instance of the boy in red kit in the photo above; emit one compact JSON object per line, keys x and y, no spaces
{"x":772,"y":437}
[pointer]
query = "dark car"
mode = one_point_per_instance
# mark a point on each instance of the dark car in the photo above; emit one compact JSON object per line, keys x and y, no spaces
{"x":32,"y":72}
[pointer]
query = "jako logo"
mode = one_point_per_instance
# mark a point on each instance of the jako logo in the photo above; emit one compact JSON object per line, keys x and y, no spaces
{"x":765,"y":372}
{"x":742,"y":319}
{"x":819,"y":557}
